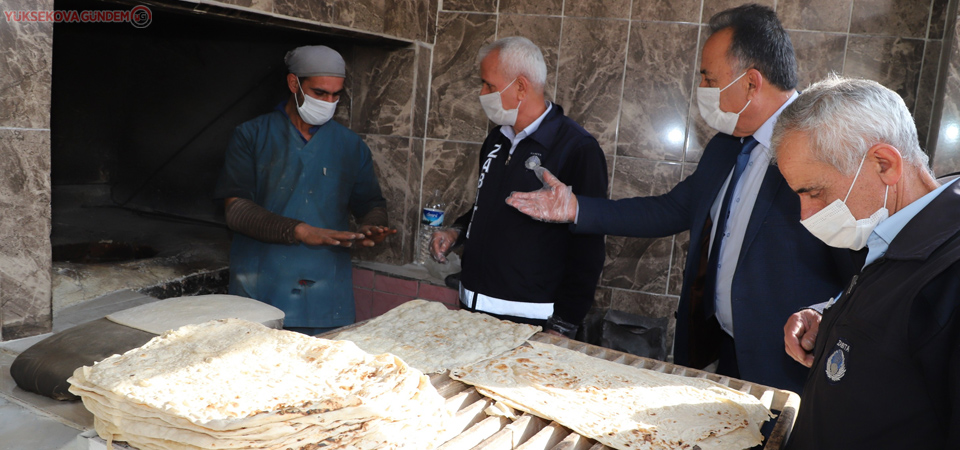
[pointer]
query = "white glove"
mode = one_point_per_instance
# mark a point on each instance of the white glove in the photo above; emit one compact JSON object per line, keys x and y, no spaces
{"x":554,"y":203}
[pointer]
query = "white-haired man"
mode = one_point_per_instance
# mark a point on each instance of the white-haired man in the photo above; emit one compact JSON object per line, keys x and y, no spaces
{"x":886,"y":360}
{"x":515,"y":267}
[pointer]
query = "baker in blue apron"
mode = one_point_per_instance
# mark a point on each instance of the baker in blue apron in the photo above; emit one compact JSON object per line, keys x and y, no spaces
{"x":290,"y":179}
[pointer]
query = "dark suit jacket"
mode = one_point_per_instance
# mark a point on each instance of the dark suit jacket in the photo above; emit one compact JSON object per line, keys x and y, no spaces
{"x":782,"y":268}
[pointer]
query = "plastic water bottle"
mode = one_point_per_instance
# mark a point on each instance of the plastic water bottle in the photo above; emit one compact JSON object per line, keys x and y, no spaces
{"x":431,"y":220}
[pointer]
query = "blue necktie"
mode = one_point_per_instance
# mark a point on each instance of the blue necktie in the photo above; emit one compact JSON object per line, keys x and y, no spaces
{"x":711,"y":285}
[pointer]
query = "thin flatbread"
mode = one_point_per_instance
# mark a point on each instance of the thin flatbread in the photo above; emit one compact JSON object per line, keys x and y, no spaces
{"x":620,"y":406}
{"x":234,"y":384}
{"x":432,"y":338}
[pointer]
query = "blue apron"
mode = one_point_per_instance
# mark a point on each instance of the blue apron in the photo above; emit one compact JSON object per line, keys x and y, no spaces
{"x":316,"y":181}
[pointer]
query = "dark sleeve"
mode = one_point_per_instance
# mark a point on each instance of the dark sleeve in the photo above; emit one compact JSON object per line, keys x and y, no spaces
{"x":250,"y":219}
{"x":585,"y":170}
{"x":239,"y":175}
{"x":649,"y":217}
{"x":366,"y":193}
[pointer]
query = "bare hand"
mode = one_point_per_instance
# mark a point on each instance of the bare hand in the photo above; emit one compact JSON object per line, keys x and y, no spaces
{"x":554,"y":203}
{"x":312,"y":235}
{"x":441,"y":242}
{"x":800,"y":335}
{"x":375,"y":234}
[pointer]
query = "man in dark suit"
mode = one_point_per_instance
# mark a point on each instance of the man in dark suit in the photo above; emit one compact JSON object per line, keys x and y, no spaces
{"x":750,"y":263}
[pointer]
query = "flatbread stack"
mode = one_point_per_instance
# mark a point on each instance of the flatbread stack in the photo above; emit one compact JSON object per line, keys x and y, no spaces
{"x":432,"y":338}
{"x":233,"y":384}
{"x":620,"y":406}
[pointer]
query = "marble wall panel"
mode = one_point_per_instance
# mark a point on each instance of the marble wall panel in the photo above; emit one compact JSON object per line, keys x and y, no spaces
{"x":818,"y":55}
{"x":413,"y":207}
{"x":890,"y":61}
{"x":406,"y":18}
{"x":610,"y":9}
{"x":26,"y":61}
{"x":451,"y":168}
{"x":261,"y":5}
{"x":590,"y":75}
{"x":538,"y":7}
{"x":455,"y":112}
{"x":711,"y":7}
{"x":938,"y":19}
{"x":366,"y":15}
{"x":543,"y":31}
{"x":657,"y":90}
{"x":926,"y":91}
{"x":635,"y":263}
{"x":383,"y":91}
{"x":25,"y":289}
{"x":667,"y":10}
{"x":904,"y":18}
{"x":601,"y":298}
{"x":391,"y":159}
{"x":815,"y":15}
{"x":469,"y":5}
{"x":306,"y":9}
{"x":422,"y":90}
{"x":698,"y":132}
{"x":946,"y":158}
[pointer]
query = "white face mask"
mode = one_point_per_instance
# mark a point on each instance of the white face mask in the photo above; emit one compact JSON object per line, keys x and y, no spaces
{"x":493,"y":107}
{"x":708,"y":99}
{"x":315,"y":111}
{"x":836,"y":226}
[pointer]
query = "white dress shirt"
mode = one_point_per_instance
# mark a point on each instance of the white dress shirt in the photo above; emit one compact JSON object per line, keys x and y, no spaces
{"x":741,"y":207}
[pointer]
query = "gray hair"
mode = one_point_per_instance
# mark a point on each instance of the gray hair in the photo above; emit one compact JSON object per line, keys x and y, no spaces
{"x":843,"y":117}
{"x":518,"y":56}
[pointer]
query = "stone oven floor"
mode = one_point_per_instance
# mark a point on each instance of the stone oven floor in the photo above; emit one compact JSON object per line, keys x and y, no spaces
{"x":191,"y":256}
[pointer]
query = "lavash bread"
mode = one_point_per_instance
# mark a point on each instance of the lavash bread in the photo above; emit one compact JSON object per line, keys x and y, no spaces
{"x":432,"y":338}
{"x":620,"y":406}
{"x":233,"y":384}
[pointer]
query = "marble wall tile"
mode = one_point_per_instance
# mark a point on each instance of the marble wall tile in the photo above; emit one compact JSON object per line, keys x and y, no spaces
{"x":306,"y":9}
{"x":413,"y":207}
{"x":818,"y":55}
{"x":892,"y":62}
{"x":923,"y":112}
{"x":433,"y":9}
{"x":904,"y":18}
{"x":469,"y":5}
{"x":815,"y":15}
{"x":543,"y":31}
{"x":610,"y":9}
{"x":455,"y":112}
{"x":946,"y":158}
{"x":406,"y":18}
{"x":657,"y":90}
{"x":711,"y":7}
{"x":422,"y":92}
{"x":667,"y":10}
{"x":538,"y":7}
{"x":452,"y":168}
{"x":601,"y":298}
{"x":262,"y":5}
{"x":590,"y":75}
{"x":938,"y":19}
{"x":383,"y":91}
{"x":25,"y":67}
{"x":391,"y":159}
{"x":366,"y":15}
{"x":25,"y":288}
{"x":698,"y":132}
{"x":635,"y":263}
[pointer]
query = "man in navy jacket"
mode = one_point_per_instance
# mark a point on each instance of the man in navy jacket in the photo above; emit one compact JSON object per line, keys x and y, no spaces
{"x":514,"y":267}
{"x":750,"y":263}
